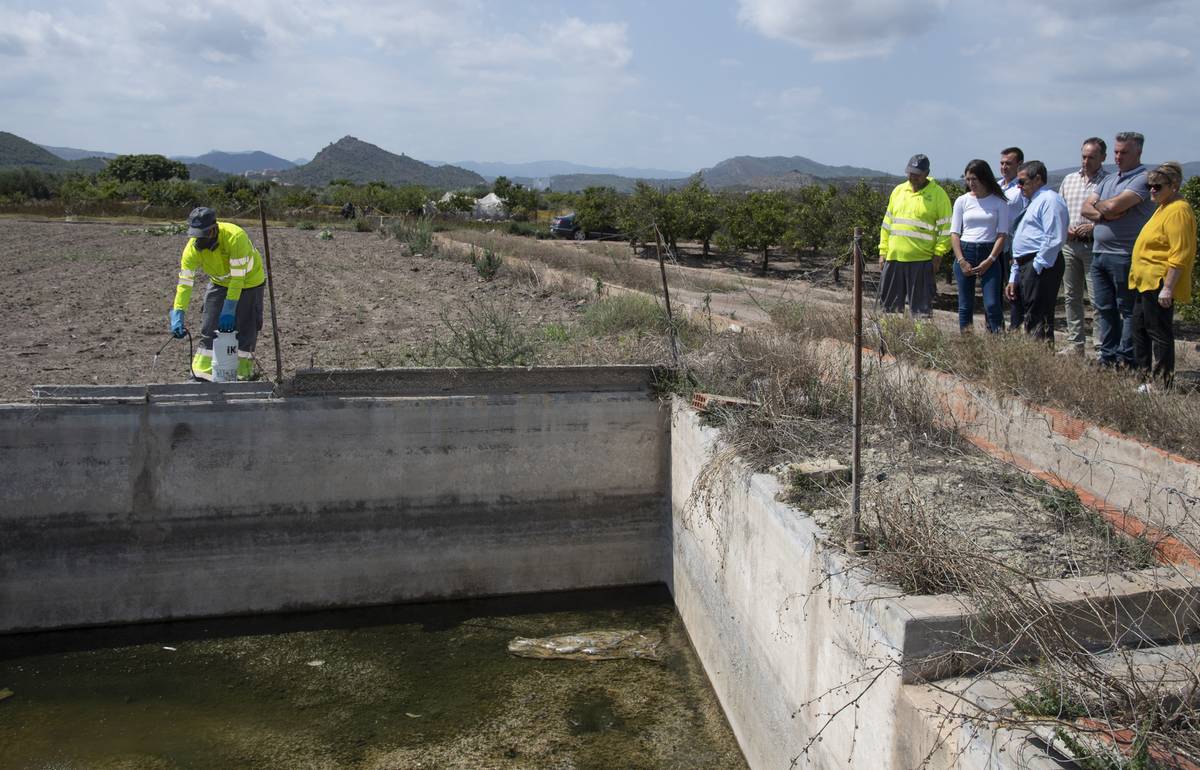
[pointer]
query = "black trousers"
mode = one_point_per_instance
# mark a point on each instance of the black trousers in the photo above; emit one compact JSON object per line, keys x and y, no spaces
{"x":1153,"y":336}
{"x":1037,"y":294}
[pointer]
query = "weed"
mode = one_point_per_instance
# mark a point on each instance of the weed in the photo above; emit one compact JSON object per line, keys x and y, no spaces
{"x":174,"y":228}
{"x":363,"y":225}
{"x":416,"y":233}
{"x":788,"y":316}
{"x":556,"y":333}
{"x":487,"y":265}
{"x":325,"y":235}
{"x":487,"y":336}
{"x":1049,"y":700}
{"x":306,"y":225}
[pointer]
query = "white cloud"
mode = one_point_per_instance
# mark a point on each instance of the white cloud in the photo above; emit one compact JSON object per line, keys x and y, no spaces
{"x":848,"y":29}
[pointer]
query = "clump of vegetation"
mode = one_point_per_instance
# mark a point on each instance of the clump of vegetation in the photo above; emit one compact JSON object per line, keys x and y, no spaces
{"x":486,"y":336}
{"x":307,"y":225}
{"x":486,"y":265}
{"x":174,"y":228}
{"x":415,"y":232}
{"x":326,"y":234}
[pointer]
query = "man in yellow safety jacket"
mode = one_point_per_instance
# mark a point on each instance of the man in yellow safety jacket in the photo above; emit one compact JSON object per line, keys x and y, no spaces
{"x":234,"y":300}
{"x":912,"y":241}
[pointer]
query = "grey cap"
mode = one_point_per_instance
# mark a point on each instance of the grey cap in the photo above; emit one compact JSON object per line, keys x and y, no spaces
{"x":200,"y":221}
{"x":918,"y":164}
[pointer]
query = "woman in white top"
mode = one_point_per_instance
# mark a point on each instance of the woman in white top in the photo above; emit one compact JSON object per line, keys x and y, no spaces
{"x":978,"y":229}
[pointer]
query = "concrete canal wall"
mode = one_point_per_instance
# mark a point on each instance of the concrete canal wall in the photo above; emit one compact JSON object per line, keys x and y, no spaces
{"x":193,"y":501}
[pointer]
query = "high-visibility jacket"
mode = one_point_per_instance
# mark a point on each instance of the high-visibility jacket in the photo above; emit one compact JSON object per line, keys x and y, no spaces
{"x":234,"y":264}
{"x":916,"y":227}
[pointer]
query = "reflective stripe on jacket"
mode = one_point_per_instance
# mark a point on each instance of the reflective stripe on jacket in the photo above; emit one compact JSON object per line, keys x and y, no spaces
{"x":916,"y":227}
{"x":234,"y":264}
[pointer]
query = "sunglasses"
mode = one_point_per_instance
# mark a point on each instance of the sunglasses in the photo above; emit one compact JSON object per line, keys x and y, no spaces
{"x":1156,"y":187}
{"x":1023,"y":182}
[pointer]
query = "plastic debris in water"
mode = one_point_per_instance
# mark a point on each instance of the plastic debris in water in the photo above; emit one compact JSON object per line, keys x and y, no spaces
{"x":601,"y":644}
{"x":169,"y":649}
{"x":315,"y":663}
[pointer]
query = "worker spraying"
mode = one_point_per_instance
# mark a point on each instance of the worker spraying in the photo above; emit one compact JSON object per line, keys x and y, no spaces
{"x":234,"y":300}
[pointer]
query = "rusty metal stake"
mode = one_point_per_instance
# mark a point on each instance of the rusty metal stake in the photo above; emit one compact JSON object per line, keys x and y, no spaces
{"x":857,"y":542}
{"x":658,"y":240}
{"x":262,"y":212}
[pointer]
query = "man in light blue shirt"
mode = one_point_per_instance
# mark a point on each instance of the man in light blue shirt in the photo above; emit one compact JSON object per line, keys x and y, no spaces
{"x":1037,"y":268}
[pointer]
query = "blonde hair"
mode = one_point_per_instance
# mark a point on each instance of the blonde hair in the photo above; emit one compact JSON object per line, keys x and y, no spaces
{"x":1170,"y":173}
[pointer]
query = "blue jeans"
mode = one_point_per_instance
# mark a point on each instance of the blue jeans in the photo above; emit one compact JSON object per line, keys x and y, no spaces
{"x":1113,"y":302}
{"x":993,"y":288}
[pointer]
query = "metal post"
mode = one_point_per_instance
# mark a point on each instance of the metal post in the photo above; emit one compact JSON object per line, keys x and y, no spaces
{"x":658,"y":240}
{"x":856,"y":544}
{"x":262,"y":212}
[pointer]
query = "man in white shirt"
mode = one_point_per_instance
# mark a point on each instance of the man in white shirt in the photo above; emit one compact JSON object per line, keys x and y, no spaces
{"x":1011,"y":159}
{"x":1077,"y":251}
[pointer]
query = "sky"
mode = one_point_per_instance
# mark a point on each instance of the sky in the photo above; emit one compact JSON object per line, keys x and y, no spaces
{"x":668,"y":84}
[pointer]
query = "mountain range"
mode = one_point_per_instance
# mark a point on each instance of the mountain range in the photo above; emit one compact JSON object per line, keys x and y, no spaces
{"x":544,"y":169}
{"x":239,"y":162}
{"x":361,"y":162}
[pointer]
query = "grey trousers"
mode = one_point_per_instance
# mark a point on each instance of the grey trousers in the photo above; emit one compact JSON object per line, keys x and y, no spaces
{"x":249,"y":316}
{"x":910,"y":283}
{"x":1077,"y":283}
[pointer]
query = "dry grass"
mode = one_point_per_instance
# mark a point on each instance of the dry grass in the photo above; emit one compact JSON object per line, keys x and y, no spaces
{"x":616,"y":265}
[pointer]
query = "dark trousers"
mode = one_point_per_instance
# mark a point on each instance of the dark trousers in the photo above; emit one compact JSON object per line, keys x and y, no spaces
{"x":1016,"y":311}
{"x":1038,"y":293}
{"x":1153,"y":336}
{"x":249,"y":316}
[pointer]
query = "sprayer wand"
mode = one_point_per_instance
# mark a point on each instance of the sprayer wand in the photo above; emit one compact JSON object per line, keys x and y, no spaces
{"x":191,"y":353}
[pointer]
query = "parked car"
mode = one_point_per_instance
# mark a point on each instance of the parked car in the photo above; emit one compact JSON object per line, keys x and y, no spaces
{"x":566,"y":226}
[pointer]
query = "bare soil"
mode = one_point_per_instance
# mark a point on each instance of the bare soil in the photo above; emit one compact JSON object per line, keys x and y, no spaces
{"x":1005,"y":513}
{"x":88,"y":303}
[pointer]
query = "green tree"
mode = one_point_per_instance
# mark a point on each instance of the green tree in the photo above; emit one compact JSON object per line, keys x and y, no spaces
{"x":598,"y":209}
{"x":761,"y":221}
{"x":145,"y":168}
{"x":1191,"y":311}
{"x":860,"y":206}
{"x":812,"y":227}
{"x":699,"y":211}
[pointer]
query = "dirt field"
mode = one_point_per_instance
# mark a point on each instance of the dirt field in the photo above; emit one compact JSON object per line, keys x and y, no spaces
{"x":88,"y":303}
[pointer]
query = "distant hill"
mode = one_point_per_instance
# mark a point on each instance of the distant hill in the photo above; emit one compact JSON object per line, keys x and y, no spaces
{"x":72,"y":153}
{"x":18,"y":152}
{"x":359,"y":161}
{"x":777,"y":171}
{"x":578,"y":182}
{"x":239,"y":162}
{"x":544,"y":169}
{"x":205,"y":173}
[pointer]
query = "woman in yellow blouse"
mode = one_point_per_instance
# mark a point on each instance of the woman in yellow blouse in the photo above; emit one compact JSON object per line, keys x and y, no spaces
{"x":1161,"y":274}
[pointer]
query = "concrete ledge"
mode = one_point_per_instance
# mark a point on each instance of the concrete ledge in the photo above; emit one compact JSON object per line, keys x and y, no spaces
{"x":129,"y":394}
{"x":466,"y":381}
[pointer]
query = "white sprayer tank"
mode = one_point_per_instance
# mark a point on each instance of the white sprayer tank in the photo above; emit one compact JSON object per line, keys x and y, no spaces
{"x":225,"y":357}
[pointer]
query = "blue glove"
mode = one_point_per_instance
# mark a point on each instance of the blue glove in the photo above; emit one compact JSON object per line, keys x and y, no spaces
{"x":228,"y":320}
{"x":177,"y":330}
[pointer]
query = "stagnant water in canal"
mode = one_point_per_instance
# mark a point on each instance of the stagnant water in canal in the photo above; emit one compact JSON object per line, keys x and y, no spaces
{"x":390,"y":688}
